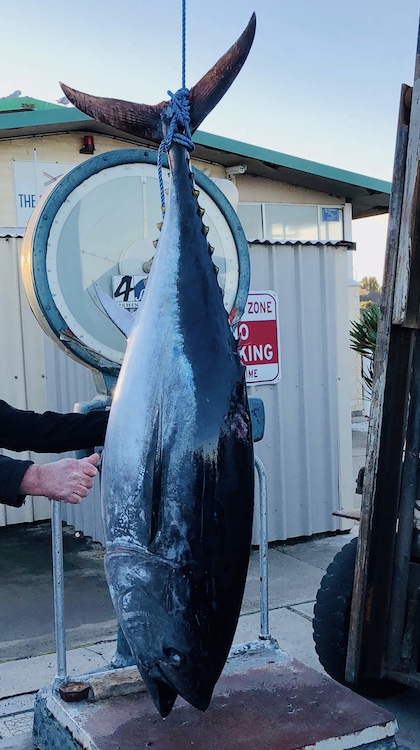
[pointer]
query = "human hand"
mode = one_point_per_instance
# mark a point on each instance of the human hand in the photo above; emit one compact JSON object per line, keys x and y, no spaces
{"x":68,"y":480}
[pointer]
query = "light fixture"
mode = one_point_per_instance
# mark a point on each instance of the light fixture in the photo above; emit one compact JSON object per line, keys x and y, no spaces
{"x":88,"y":145}
{"x":233,"y":171}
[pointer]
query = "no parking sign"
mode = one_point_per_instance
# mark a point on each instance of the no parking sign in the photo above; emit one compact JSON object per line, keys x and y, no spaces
{"x":258,"y":338}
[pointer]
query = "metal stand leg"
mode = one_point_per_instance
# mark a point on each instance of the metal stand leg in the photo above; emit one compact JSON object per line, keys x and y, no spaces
{"x":262,"y":478}
{"x":123,"y":656}
{"x":58,"y":585}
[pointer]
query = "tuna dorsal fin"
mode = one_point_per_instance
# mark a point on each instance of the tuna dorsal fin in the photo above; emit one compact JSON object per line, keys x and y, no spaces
{"x":144,"y":120}
{"x":123,"y":319}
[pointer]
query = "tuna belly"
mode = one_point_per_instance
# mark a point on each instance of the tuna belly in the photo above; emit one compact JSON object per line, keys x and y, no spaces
{"x":148,"y":447}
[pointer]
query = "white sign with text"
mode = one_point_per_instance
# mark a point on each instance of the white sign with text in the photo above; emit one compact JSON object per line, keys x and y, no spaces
{"x":32,"y":179}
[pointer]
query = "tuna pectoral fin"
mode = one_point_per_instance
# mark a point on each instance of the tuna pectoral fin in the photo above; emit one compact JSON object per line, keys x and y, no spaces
{"x":162,"y":695}
{"x":153,"y":475}
{"x":119,"y":315}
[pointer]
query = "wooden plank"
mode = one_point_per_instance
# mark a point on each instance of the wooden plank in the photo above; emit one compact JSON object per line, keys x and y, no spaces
{"x":407,"y":496}
{"x":407,"y":294}
{"x":353,"y":514}
{"x":386,"y":424}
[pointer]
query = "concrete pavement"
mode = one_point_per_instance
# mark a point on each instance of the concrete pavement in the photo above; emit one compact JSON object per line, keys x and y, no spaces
{"x":27,"y":658}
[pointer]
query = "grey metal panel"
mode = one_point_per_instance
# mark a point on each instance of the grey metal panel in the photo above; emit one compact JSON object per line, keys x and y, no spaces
{"x":301,"y":447}
{"x":21,"y":373}
{"x":306,"y":243}
{"x":12,"y":232}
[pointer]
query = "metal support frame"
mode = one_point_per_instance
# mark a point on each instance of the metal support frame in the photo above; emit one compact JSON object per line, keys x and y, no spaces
{"x":58,"y":585}
{"x":264,"y":609}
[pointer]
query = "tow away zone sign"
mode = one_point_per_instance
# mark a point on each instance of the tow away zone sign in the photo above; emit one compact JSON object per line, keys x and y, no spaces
{"x":258,"y":338}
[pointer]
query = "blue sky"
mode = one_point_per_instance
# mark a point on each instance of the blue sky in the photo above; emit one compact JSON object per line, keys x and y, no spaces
{"x":322,"y":80}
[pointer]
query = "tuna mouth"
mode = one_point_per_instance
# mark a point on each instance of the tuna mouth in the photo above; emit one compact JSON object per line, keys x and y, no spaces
{"x":164,"y":694}
{"x":201,"y":702}
{"x":197,"y":696}
{"x":160,"y":690}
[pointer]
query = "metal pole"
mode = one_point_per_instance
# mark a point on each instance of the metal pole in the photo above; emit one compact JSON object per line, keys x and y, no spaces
{"x":58,"y":586}
{"x":262,"y":478}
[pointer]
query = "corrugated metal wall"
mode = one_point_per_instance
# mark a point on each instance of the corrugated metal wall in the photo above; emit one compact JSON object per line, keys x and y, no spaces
{"x":22,"y":376}
{"x":36,"y":375}
{"x":307,"y":443}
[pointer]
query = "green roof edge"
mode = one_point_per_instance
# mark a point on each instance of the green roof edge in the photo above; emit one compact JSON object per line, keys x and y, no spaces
{"x":292,"y":162}
{"x":11,"y":104}
{"x":62,"y":115}
{"x":30,"y":118}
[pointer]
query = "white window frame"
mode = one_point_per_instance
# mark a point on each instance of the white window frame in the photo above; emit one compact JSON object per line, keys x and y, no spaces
{"x":318,"y":206}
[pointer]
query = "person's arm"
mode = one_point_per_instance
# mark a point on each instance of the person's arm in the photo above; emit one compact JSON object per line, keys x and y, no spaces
{"x":12,"y":472}
{"x":50,"y":432}
{"x":68,"y":480}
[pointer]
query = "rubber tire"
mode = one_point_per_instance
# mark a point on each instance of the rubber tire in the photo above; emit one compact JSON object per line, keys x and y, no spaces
{"x":332,"y":620}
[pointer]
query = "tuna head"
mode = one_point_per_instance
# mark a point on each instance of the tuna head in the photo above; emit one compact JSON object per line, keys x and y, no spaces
{"x":165,"y":615}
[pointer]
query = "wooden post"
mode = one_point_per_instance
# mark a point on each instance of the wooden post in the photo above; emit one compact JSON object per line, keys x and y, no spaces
{"x":373,"y":570}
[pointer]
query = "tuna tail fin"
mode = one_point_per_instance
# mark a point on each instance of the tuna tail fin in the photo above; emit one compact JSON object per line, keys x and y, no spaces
{"x":213,"y":86}
{"x":144,"y":120}
{"x":123,"y":319}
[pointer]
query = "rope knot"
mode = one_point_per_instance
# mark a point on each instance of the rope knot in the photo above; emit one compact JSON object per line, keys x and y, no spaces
{"x":180,"y":121}
{"x":180,"y":103}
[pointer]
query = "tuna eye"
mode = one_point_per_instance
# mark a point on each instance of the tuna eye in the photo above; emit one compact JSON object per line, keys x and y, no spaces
{"x":175,"y":658}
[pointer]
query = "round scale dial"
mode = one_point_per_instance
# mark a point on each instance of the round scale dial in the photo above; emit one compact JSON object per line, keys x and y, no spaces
{"x":98,"y":224}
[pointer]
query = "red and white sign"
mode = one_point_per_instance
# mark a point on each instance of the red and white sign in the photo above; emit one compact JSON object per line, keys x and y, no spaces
{"x":258,"y":338}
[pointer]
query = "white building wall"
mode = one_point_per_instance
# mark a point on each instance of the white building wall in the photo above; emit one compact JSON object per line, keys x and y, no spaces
{"x":47,"y":148}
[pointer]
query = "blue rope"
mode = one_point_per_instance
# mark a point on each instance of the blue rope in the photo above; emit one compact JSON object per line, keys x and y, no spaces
{"x":184,"y":40}
{"x":180,"y":105}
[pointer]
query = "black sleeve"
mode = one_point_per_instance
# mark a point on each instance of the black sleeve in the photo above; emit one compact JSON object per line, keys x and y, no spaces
{"x":11,"y":475}
{"x":50,"y":432}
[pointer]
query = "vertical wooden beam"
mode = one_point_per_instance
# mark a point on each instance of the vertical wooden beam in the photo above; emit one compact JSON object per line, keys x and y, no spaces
{"x":384,"y":447}
{"x":407,"y":295}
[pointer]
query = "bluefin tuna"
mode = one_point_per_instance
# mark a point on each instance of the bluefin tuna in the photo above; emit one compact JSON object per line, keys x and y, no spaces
{"x":178,"y":471}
